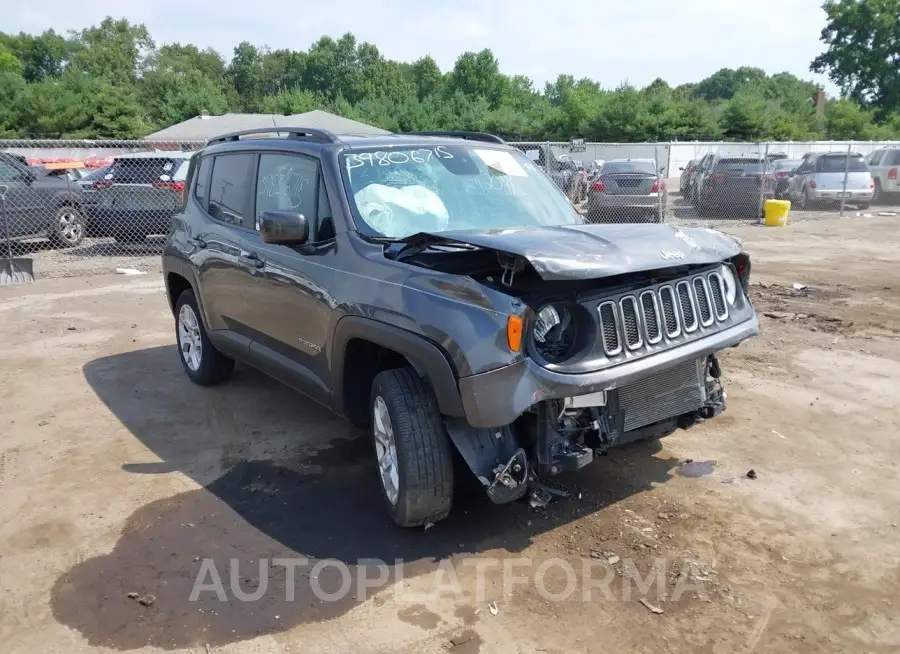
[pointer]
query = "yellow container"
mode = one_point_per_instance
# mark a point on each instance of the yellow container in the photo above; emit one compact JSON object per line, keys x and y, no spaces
{"x":775,"y":213}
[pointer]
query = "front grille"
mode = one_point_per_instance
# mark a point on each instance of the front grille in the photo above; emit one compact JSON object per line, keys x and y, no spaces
{"x":686,"y":303}
{"x":703,"y":305}
{"x":682,"y":310}
{"x":667,"y":394}
{"x":609,"y":329}
{"x":717,"y":290}
{"x":631,"y":326}
{"x":651,"y":312}
{"x":670,"y":311}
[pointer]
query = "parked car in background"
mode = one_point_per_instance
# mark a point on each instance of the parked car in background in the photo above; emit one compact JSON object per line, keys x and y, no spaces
{"x":820,"y":180}
{"x":884,"y":165}
{"x":783,"y":170}
{"x":138,"y":194}
{"x":568,"y":175}
{"x":627,"y":189}
{"x":39,"y":204}
{"x":594,"y":169}
{"x":686,"y":173}
{"x":733,"y":184}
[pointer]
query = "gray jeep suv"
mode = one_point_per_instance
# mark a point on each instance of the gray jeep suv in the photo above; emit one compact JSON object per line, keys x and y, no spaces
{"x":444,"y":293}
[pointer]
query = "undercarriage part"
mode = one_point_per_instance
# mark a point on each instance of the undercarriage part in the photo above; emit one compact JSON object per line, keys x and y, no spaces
{"x":495,"y":458}
{"x":556,"y":449}
{"x":510,"y":480}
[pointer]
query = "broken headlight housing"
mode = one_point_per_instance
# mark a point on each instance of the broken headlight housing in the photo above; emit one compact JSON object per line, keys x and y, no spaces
{"x":555,"y":334}
{"x":730,"y":284}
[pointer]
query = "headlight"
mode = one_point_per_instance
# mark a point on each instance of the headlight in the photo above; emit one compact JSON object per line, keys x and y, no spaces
{"x":730,"y":283}
{"x":554,"y":333}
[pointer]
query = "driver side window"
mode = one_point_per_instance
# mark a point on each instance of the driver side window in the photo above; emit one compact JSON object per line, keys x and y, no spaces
{"x":288,"y":182}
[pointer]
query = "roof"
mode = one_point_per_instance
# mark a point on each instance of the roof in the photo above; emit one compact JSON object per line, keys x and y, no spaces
{"x":202,"y":128}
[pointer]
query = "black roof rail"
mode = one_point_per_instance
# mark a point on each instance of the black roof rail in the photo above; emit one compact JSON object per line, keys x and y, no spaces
{"x":295,"y":133}
{"x":459,"y":134}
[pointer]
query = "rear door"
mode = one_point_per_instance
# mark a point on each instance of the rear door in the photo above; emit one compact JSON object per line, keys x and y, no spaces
{"x":223,"y":191}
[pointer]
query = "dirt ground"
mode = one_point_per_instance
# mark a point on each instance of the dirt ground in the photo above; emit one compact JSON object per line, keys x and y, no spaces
{"x":118,"y":477}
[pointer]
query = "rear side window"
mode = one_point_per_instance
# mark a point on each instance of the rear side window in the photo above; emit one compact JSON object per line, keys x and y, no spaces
{"x":838,"y":164}
{"x":143,"y":170}
{"x":230,"y":197}
{"x":740,"y":166}
{"x":893,"y":158}
{"x":201,"y":188}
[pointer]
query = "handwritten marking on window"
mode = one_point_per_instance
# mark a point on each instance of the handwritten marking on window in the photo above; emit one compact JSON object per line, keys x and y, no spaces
{"x":288,"y":185}
{"x":396,"y":157}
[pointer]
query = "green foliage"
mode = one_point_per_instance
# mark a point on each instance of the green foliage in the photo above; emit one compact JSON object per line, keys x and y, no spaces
{"x":863,"y":55}
{"x":111,"y":80}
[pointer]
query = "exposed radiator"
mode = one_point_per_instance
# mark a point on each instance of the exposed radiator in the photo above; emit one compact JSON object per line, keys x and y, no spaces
{"x":670,"y":393}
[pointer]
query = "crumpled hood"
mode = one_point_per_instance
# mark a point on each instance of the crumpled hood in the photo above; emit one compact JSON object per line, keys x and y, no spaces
{"x":592,"y":251}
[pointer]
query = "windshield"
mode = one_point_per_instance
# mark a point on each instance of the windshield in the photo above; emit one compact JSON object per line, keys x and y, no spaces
{"x":613,"y":167}
{"x":832,"y":164}
{"x":403,"y":191}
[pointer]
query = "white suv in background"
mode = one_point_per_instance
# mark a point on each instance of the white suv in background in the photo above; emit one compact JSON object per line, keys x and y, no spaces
{"x":884,"y":165}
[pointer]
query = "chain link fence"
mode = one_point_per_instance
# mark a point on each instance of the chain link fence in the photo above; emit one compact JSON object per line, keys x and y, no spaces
{"x":84,"y":207}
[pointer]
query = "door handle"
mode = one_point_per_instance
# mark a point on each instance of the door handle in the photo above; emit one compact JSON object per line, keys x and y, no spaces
{"x":251,"y":260}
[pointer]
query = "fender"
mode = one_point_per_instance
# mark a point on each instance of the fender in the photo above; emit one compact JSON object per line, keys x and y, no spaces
{"x":426,"y":357}
{"x":64,"y":198}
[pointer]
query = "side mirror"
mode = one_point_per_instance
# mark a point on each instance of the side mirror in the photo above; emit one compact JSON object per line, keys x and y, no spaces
{"x":284,"y":227}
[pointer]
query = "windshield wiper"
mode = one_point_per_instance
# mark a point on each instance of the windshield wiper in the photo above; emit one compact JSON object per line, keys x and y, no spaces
{"x":418,"y":243}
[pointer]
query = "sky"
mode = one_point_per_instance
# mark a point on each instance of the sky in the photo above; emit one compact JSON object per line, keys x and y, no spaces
{"x":611,"y":41}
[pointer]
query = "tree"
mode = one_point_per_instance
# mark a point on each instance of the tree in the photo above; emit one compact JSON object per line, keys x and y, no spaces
{"x":426,"y":77}
{"x":863,"y":55}
{"x":247,"y":75}
{"x":744,"y":117}
{"x":111,"y":80}
{"x":114,"y":51}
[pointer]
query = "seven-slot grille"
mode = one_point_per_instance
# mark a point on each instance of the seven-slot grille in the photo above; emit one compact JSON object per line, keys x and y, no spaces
{"x":670,"y":310}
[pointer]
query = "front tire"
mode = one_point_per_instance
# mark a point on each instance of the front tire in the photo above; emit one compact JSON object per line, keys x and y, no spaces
{"x":203,"y":363}
{"x":67,"y":230}
{"x":412,"y":448}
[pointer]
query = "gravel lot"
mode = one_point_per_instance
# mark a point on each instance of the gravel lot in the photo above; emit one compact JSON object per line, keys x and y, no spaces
{"x":119,"y":478}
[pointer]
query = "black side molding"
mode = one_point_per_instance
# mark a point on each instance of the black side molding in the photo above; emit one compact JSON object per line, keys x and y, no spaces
{"x":425,"y":356}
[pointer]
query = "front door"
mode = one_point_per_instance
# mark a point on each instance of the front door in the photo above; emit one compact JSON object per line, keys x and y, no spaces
{"x":287,"y":304}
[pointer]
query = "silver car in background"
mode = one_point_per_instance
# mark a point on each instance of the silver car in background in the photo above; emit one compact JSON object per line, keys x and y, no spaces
{"x":627,"y":190}
{"x":820,"y":180}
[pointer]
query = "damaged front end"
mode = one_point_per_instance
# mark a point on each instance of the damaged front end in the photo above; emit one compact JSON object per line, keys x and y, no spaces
{"x":620,"y":345}
{"x":564,"y":435}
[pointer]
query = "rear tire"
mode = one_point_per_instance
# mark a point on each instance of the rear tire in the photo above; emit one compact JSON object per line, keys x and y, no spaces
{"x":862,"y":206}
{"x":404,"y":413}
{"x":67,"y":229}
{"x":204,"y":365}
{"x":876,"y":193}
